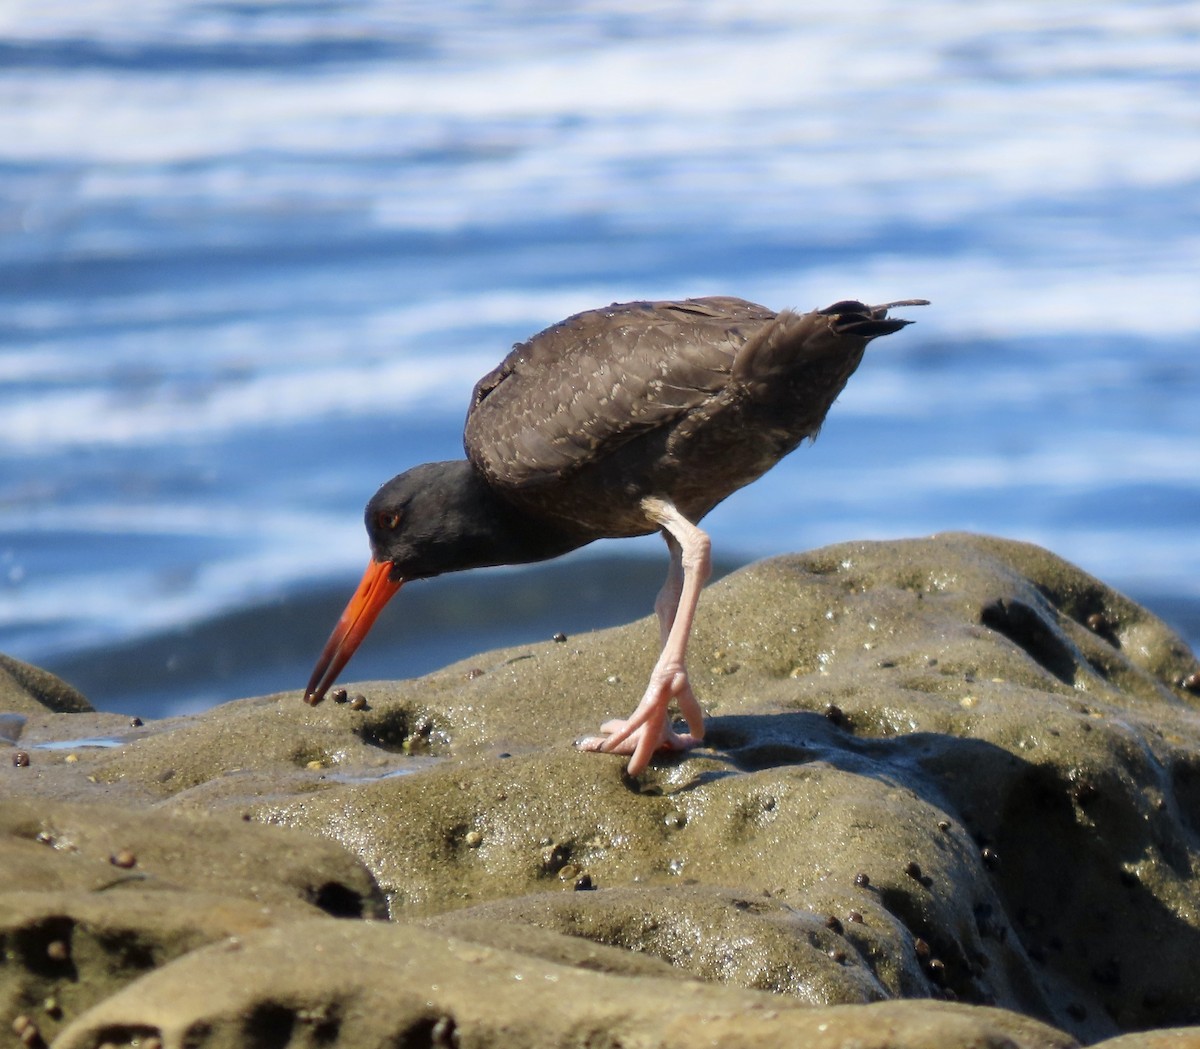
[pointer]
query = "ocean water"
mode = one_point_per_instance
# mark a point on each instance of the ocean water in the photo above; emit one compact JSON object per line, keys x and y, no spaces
{"x":253,"y":256}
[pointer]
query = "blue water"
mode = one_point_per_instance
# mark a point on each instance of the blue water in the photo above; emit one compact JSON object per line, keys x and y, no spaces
{"x":253,"y":257}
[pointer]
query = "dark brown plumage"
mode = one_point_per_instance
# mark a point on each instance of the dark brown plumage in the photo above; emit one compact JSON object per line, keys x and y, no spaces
{"x":622,"y":421}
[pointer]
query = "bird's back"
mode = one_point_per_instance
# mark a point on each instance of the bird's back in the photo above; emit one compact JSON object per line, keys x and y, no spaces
{"x":689,"y":400}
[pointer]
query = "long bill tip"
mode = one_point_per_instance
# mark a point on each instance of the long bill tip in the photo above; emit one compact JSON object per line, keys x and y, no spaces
{"x":374,"y":591}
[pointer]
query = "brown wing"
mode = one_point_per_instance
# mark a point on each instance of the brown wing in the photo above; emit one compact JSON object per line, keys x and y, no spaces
{"x":578,"y":391}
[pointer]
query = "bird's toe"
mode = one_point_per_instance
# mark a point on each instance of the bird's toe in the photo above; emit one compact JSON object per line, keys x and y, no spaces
{"x":642,"y":742}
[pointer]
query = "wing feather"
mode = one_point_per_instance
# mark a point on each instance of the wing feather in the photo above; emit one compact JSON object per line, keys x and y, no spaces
{"x":575,"y":393}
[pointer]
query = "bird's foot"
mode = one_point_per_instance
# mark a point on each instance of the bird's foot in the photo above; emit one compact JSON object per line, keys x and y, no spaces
{"x":648,"y":730}
{"x":621,"y":737}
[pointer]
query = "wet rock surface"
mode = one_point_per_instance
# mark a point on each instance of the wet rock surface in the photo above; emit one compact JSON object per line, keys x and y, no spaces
{"x":950,"y":795}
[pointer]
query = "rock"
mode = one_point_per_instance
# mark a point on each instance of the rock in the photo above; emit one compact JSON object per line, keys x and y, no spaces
{"x":779,"y":948}
{"x":1169,"y":1038}
{"x":939,"y":773}
{"x":29,"y":689}
{"x":100,"y":849}
{"x":94,"y":896}
{"x":68,"y":951}
{"x":378,"y":984}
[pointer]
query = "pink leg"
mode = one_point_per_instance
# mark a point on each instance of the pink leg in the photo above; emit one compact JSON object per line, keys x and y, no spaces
{"x":648,"y":728}
{"x":667,"y":602}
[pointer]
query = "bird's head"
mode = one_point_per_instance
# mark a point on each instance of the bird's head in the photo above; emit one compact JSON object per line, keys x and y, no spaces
{"x":413,"y":524}
{"x":432,"y":519}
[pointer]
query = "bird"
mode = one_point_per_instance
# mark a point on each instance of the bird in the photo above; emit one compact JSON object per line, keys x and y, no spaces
{"x":631,"y":419}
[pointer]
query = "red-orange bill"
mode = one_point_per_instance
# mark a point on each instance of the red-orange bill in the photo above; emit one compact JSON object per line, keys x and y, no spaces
{"x":376,"y":590}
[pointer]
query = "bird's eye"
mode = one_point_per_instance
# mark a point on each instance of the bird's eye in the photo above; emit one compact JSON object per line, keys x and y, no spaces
{"x":387,"y":520}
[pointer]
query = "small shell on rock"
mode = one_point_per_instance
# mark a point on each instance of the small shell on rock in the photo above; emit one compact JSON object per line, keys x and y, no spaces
{"x":835,"y":714}
{"x":27,"y":1032}
{"x":123,"y":858}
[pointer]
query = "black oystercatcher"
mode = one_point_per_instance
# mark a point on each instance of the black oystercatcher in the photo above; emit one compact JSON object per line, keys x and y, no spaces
{"x":616,"y":422}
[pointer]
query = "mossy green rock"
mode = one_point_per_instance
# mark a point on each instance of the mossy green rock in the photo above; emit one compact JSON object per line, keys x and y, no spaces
{"x":950,"y":795}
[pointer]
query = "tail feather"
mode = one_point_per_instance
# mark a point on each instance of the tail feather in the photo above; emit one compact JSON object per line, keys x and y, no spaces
{"x":868,"y":322}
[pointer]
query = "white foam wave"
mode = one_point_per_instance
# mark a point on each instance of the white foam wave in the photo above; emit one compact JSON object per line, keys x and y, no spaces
{"x":98,"y":604}
{"x":1028,"y":167}
{"x":977,"y":295}
{"x":219,"y":379}
{"x":787,"y":103}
